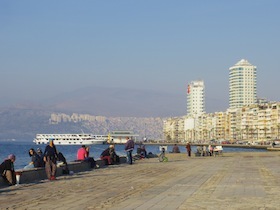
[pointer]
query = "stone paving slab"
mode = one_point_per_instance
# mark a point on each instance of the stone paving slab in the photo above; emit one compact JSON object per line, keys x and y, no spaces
{"x":248,"y":180}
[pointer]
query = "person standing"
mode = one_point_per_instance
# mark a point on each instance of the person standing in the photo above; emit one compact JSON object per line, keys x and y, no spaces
{"x":129,"y":147}
{"x":50,"y":158}
{"x":189,"y":149}
{"x":210,"y":150}
{"x":7,"y":170}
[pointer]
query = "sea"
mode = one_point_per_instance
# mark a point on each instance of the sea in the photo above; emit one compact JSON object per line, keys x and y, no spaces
{"x":20,"y":149}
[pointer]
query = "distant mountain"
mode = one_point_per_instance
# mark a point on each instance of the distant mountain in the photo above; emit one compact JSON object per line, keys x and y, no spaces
{"x":120,"y":102}
{"x":132,"y":109}
{"x":141,"y":111}
{"x":23,"y":124}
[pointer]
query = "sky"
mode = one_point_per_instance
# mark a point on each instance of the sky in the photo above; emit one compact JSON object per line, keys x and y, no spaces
{"x":53,"y":47}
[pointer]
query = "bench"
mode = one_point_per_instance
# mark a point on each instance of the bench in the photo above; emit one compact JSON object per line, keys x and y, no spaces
{"x":218,"y":150}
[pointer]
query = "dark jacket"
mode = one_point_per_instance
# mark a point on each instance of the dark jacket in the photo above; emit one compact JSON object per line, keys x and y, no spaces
{"x":129,"y":145}
{"x":51,"y":153}
{"x":106,"y":152}
{"x":37,"y":161}
{"x":6,"y":165}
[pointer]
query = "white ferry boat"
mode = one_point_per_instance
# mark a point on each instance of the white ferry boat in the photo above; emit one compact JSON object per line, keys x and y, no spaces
{"x":71,"y":139}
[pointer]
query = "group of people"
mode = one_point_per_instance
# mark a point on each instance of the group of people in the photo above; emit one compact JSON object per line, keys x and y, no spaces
{"x":203,"y":150}
{"x":50,"y":156}
{"x":38,"y":159}
{"x":176,"y":149}
{"x":109,"y":155}
{"x":48,"y":159}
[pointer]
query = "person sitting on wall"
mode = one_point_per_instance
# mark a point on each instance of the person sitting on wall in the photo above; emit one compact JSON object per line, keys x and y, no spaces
{"x":141,"y":150}
{"x":175,"y":149}
{"x":61,"y":158}
{"x":83,"y":155}
{"x":90,"y":159}
{"x":7,"y":170}
{"x":199,"y":151}
{"x":114,"y":157}
{"x":36,"y":161}
{"x":40,"y":153}
{"x":106,"y":155}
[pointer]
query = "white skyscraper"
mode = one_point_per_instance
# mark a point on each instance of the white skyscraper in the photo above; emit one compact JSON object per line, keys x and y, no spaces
{"x":242,"y":84}
{"x":195,"y":98}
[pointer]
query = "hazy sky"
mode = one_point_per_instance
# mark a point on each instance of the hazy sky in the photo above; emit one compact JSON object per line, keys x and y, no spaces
{"x":51,"y":47}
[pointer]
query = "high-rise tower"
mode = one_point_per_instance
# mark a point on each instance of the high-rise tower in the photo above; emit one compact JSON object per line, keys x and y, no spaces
{"x":195,"y":98}
{"x":242,"y":84}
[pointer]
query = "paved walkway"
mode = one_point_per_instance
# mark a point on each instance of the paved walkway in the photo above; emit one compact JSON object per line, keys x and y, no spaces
{"x":232,"y":181}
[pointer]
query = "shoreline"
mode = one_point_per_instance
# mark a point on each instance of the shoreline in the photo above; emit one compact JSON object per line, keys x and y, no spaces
{"x":206,"y":144}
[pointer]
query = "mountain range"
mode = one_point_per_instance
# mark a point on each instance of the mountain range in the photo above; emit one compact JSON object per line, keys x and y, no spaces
{"x":134,"y":108}
{"x":143,"y":107}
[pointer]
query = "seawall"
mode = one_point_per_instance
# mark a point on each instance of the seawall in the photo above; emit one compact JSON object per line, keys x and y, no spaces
{"x":37,"y":174}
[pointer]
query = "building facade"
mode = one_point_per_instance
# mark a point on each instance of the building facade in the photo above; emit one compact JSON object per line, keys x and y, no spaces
{"x":242,"y":84}
{"x":256,"y":123}
{"x":196,"y":98}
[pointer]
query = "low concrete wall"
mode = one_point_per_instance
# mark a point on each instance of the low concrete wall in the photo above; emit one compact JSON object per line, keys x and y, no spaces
{"x":37,"y":174}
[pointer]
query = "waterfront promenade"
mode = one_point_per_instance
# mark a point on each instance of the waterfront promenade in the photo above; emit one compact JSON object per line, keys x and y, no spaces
{"x":248,"y":180}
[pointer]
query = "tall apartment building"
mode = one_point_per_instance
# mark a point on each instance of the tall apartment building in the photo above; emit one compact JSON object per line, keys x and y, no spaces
{"x":195,"y":98}
{"x":256,"y":123}
{"x":242,"y":84}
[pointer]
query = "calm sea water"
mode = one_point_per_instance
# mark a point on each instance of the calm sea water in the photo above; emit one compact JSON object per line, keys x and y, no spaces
{"x":21,"y":148}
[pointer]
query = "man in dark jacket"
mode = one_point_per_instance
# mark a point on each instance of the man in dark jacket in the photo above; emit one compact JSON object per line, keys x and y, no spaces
{"x":129,"y":147}
{"x":7,"y":170}
{"x":50,"y":158}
